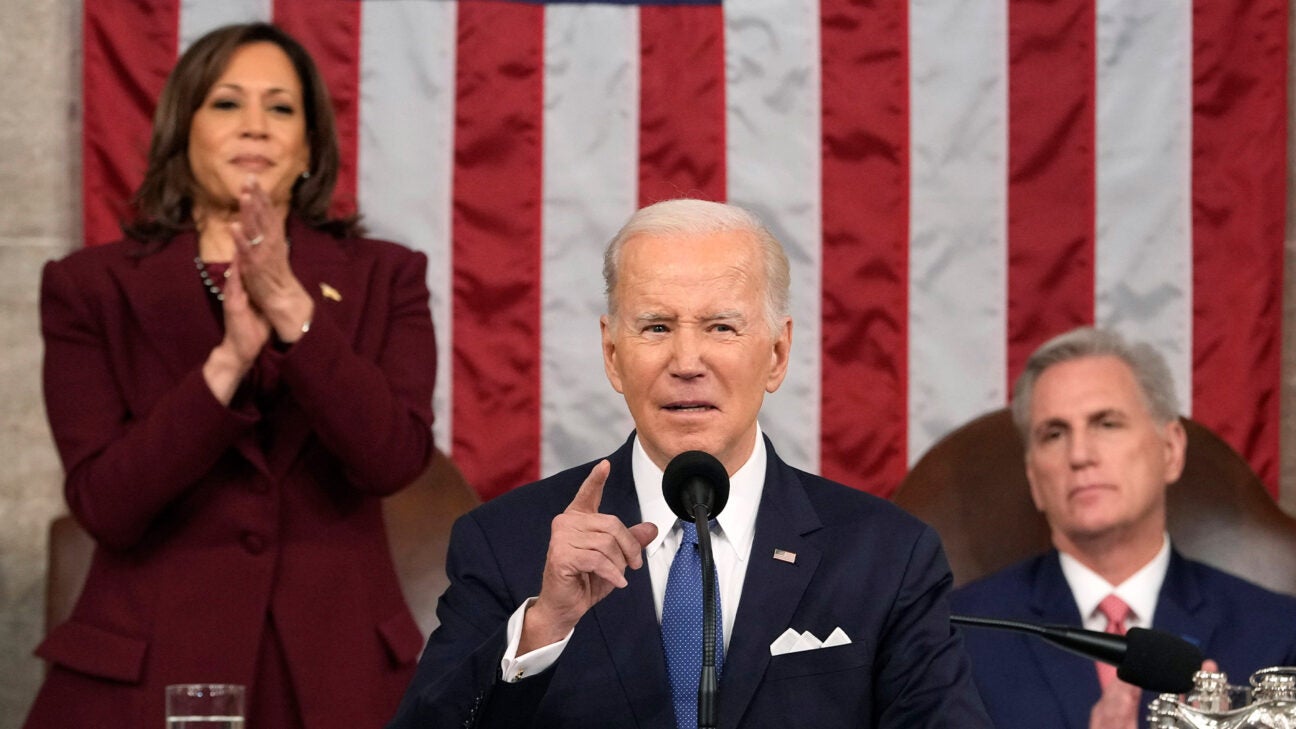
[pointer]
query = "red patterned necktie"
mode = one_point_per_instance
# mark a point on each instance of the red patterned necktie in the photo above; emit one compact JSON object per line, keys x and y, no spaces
{"x":1116,"y":612}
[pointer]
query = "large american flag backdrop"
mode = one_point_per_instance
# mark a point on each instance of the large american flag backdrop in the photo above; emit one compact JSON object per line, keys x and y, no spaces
{"x":955,"y":180}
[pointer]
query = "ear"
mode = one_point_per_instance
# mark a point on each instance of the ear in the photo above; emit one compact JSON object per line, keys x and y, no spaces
{"x":1175,"y":439}
{"x":610,"y":354}
{"x":779,"y":356}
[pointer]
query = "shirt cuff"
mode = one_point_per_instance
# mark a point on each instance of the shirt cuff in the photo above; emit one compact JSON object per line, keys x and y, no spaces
{"x":512,"y":666}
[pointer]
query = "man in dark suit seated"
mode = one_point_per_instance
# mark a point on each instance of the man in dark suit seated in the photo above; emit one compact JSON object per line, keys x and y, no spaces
{"x":1103,"y":442}
{"x":557,"y":611}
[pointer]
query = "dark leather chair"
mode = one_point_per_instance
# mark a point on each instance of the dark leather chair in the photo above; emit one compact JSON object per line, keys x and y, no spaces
{"x":418,"y":521}
{"x":971,"y":487}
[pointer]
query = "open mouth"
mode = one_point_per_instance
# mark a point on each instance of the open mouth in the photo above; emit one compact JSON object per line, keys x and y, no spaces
{"x":689,"y":407}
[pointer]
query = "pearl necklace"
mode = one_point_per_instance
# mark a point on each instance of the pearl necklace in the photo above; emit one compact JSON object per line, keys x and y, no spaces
{"x":212,"y":287}
{"x":208,"y":283}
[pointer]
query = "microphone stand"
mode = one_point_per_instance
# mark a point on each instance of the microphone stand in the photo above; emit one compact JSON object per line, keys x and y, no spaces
{"x":1090,"y":644}
{"x":708,"y":685}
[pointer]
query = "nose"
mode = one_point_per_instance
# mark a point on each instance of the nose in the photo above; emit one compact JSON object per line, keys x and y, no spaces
{"x":686,"y":354}
{"x":253,"y":121}
{"x":1080,"y":449}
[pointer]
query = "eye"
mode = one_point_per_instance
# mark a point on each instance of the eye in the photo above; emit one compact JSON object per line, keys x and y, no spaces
{"x":656,"y":329}
{"x":224,"y":104}
{"x":283,"y":109}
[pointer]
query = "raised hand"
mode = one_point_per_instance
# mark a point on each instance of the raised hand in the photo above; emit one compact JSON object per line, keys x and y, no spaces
{"x":1118,"y":708}
{"x":246,"y":332}
{"x":588,"y":555}
{"x":271,"y":285}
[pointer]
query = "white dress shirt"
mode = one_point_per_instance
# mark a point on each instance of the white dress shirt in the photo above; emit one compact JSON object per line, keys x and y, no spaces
{"x":1139,"y":591}
{"x":731,"y":545}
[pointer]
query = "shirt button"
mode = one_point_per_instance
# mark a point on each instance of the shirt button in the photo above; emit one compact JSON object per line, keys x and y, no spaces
{"x":254,"y":543}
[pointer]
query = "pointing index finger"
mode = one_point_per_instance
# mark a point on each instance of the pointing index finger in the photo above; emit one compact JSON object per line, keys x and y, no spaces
{"x":590,"y":495}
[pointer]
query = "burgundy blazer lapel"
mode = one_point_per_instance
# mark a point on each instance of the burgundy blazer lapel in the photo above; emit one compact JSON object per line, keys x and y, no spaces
{"x":168,"y":300}
{"x":338,"y":284}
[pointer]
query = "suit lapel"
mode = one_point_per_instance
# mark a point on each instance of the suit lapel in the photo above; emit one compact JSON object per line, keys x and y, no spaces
{"x":1182,"y":607}
{"x":337,"y":285}
{"x":627,"y":617}
{"x":1074,"y":682}
{"x":772,"y":588}
{"x":170,"y":304}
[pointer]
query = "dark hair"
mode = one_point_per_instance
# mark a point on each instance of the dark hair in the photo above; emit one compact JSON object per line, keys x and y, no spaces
{"x":163,"y":204}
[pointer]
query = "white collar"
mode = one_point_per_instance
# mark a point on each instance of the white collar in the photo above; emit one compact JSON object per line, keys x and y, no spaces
{"x":737,"y":523}
{"x":1140,"y":591}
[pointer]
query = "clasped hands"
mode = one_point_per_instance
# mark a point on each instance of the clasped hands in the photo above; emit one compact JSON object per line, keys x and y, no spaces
{"x":262,"y":294}
{"x":1118,"y":707}
{"x":587,"y":558}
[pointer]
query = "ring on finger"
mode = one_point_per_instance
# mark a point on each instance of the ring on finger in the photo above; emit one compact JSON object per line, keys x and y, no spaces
{"x":256,"y":241}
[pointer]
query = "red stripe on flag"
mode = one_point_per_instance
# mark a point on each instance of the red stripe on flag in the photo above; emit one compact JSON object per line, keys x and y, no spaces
{"x":1050,"y":172}
{"x":499,"y":100}
{"x":865,"y":243}
{"x":331,"y":33}
{"x":681,"y":103}
{"x":129,"y":50}
{"x":1238,"y":203}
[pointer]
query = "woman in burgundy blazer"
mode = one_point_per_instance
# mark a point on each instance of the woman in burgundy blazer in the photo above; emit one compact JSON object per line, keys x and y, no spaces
{"x":231,"y":389}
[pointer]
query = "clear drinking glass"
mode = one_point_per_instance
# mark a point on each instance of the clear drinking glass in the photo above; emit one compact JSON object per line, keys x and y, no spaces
{"x":204,"y":706}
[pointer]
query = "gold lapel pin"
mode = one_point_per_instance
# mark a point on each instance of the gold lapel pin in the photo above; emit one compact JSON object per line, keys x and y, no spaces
{"x":783,"y":555}
{"x":329,"y":292}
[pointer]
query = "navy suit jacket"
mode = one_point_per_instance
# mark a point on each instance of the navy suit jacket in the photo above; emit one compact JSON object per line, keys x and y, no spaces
{"x":861,"y":564}
{"x":1026,"y":682}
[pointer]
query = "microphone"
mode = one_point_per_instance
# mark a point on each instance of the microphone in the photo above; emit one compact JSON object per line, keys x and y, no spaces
{"x":692,"y":479}
{"x":696,"y":487}
{"x":1150,"y":659}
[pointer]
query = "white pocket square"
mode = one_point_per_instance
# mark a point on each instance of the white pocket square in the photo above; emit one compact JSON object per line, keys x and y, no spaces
{"x":792,"y":641}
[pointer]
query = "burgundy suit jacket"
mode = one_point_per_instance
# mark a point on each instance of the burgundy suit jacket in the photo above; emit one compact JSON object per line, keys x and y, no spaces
{"x":211,"y":521}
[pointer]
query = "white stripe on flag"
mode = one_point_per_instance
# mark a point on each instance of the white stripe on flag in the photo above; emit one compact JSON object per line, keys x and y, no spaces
{"x":1143,"y":247}
{"x":407,"y":87}
{"x":591,"y":106}
{"x":199,"y":16}
{"x":958,"y":93}
{"x":773,"y":168}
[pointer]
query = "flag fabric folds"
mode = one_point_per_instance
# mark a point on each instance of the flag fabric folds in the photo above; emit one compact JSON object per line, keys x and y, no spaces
{"x":955,"y":181}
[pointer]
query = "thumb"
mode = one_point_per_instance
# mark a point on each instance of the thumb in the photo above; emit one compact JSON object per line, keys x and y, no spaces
{"x":644,"y":532}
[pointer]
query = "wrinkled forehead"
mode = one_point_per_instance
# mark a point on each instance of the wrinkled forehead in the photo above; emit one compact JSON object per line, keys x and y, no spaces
{"x":689,"y":270}
{"x":1087,"y":386}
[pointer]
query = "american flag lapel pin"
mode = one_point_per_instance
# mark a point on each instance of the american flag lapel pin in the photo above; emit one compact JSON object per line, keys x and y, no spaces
{"x":783,"y":555}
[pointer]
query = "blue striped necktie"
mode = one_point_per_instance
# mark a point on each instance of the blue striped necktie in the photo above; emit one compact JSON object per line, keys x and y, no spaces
{"x":682,"y":627}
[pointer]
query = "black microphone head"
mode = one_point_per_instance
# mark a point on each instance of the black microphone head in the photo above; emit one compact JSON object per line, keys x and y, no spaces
{"x":1159,"y":661}
{"x":695,"y":477}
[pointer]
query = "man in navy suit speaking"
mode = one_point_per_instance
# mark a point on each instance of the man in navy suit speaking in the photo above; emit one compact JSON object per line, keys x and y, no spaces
{"x":1103,"y":442}
{"x":833,"y":603}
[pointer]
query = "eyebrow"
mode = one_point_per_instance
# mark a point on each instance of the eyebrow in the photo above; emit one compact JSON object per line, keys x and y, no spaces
{"x":1058,"y":422}
{"x":239,"y":88}
{"x":1106,"y":413}
{"x":648,"y":317}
